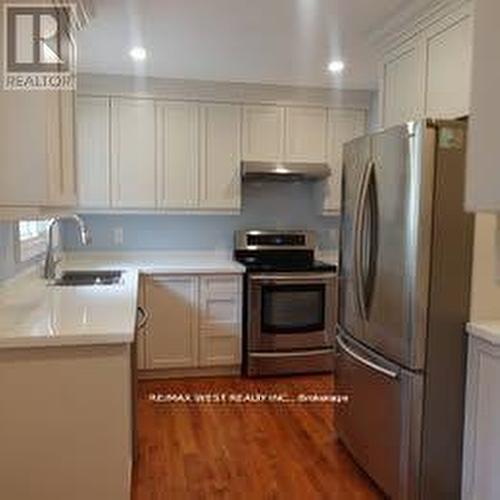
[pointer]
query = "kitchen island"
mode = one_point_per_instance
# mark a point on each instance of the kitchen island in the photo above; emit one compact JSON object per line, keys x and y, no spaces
{"x":67,"y":363}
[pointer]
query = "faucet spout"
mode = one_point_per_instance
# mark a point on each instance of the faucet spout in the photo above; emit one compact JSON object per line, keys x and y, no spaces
{"x":50,"y":261}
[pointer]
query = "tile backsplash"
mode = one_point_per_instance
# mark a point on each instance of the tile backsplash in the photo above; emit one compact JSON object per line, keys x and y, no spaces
{"x":265,"y":205}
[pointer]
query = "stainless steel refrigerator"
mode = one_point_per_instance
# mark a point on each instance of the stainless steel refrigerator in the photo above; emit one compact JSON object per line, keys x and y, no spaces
{"x":405,"y":265}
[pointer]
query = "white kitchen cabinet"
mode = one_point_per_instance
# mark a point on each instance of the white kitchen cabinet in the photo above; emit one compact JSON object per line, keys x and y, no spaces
{"x":178,"y":154}
{"x":305,"y":134}
{"x":481,"y":480}
{"x":263,"y":133}
{"x":36,"y":141}
{"x":93,"y":155}
{"x":220,"y":156}
{"x":172,"y":331}
{"x":343,"y":126}
{"x":133,"y":169}
{"x":220,"y":320}
{"x":483,"y":171}
{"x":449,"y":68}
{"x":403,"y":80}
{"x":62,"y":174}
{"x":291,"y":134}
{"x":194,"y":321}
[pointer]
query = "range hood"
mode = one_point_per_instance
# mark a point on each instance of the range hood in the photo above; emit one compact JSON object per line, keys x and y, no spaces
{"x":284,"y":171}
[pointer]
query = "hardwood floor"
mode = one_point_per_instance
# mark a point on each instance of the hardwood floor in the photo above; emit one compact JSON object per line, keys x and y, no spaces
{"x":249,"y":450}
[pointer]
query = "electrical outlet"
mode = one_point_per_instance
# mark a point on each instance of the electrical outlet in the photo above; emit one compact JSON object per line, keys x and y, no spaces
{"x":118,"y":235}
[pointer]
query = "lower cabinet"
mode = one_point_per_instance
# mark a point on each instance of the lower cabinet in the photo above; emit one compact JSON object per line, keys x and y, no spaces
{"x":220,"y":321}
{"x":481,"y":480}
{"x":171,"y":339}
{"x":194,"y":321}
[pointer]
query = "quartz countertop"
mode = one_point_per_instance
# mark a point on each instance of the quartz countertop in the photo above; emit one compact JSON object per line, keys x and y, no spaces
{"x":33,"y":314}
{"x":486,"y":330}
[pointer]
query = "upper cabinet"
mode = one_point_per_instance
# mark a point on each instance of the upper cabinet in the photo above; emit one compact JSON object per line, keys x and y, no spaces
{"x":178,"y":154}
{"x":483,"y":171}
{"x":305,"y":134}
{"x":220,"y":147}
{"x":428,"y":75}
{"x":343,"y":126}
{"x":36,"y":141}
{"x":133,"y":171}
{"x":93,"y":156}
{"x":449,"y":69}
{"x":403,"y":73}
{"x":144,"y":154}
{"x":61,"y":165}
{"x":291,"y":134}
{"x":263,"y":133}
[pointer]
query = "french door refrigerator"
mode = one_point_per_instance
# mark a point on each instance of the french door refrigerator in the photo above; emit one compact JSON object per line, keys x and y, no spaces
{"x":405,"y":264}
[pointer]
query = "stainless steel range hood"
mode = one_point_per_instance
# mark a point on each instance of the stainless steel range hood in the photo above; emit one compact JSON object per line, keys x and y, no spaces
{"x":284,"y":171}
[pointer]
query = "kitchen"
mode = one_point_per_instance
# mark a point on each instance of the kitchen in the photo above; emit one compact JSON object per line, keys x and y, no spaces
{"x":205,"y":165}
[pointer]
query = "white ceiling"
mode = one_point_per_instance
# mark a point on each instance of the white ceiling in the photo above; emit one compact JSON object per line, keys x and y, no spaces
{"x":267,"y":41}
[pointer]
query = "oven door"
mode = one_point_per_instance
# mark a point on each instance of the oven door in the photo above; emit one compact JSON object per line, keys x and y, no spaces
{"x":289,"y":311}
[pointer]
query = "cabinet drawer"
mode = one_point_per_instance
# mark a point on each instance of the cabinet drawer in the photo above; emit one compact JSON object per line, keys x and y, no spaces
{"x":220,"y":287}
{"x":220,"y":350}
{"x":220,"y":301}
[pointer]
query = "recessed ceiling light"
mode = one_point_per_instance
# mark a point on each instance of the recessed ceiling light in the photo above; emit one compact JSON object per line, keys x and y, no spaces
{"x":138,"y":53}
{"x":336,"y":66}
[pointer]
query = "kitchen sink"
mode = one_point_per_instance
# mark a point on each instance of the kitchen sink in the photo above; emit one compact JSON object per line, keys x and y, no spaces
{"x":88,"y":278}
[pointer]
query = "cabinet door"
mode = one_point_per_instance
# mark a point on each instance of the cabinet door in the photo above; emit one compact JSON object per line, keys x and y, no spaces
{"x":404,"y":84}
{"x":93,"y":152}
{"x":61,"y":165}
{"x":178,"y":154}
{"x":482,"y":414}
{"x":220,"y":320}
{"x":305,"y":134}
{"x":133,"y":153}
{"x":36,"y":144}
{"x":220,"y":156}
{"x":172,"y":330}
{"x":263,"y":133}
{"x":343,"y":126}
{"x":449,"y":70}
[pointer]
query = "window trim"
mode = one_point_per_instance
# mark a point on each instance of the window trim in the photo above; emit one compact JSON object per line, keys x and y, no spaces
{"x":29,"y":248}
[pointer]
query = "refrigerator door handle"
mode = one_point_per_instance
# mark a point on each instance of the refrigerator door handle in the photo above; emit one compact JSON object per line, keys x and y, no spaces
{"x":358,"y":238}
{"x":366,"y":362}
{"x":372,"y":195}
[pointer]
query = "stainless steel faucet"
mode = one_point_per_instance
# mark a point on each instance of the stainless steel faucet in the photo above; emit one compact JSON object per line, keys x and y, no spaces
{"x":49,"y":272}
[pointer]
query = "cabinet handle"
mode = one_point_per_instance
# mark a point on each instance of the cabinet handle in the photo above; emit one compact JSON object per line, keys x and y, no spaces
{"x":144,"y":318}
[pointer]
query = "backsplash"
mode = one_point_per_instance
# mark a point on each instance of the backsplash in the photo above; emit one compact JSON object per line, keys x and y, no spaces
{"x":265,"y":205}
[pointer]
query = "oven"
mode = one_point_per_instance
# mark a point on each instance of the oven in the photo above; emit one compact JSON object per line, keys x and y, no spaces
{"x":290,"y":311}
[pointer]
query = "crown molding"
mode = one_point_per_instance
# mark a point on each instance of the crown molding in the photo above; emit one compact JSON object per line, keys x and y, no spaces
{"x":413,"y":20}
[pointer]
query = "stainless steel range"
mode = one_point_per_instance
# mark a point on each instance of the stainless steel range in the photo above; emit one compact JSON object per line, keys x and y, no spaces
{"x":290,"y":303}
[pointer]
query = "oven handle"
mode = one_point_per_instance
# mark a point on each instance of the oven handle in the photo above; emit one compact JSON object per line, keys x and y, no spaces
{"x":292,"y":278}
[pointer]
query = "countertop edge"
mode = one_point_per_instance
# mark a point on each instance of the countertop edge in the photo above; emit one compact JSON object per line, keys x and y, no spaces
{"x":485,"y":330}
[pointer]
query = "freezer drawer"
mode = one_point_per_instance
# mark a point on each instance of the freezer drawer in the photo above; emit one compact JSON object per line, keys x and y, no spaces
{"x":380,"y":424}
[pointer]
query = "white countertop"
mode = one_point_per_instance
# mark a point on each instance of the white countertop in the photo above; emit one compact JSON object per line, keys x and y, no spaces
{"x":486,"y":330}
{"x":33,"y":314}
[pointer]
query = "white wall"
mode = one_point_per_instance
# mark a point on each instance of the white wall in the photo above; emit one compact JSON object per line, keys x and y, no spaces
{"x":252,"y":93}
{"x":275,"y":205}
{"x":485,"y":300}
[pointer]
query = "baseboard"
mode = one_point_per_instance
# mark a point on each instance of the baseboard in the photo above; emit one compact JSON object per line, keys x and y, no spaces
{"x":209,"y":371}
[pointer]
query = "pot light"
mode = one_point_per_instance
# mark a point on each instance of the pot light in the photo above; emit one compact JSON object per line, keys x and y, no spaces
{"x":138,"y":53}
{"x":336,"y":66}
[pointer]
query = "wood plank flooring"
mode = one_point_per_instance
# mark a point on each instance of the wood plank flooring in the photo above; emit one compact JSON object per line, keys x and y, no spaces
{"x":246,"y":450}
